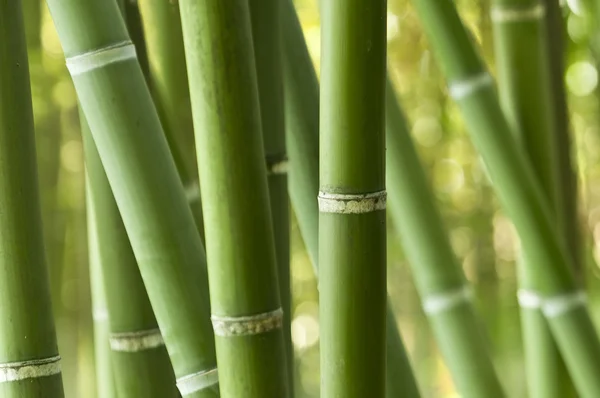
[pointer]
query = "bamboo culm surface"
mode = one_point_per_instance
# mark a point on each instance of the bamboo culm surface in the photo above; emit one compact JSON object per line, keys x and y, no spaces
{"x":519,"y":191}
{"x":29,"y":360}
{"x":302,"y":130}
{"x":246,"y":309}
{"x":266,"y":33}
{"x":144,"y":180}
{"x":140,"y":362}
{"x":352,"y":197}
{"x":522,"y":60}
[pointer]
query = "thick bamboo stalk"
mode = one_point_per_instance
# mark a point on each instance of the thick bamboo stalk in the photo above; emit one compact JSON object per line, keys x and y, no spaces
{"x":246,"y":309}
{"x":352,"y":197}
{"x":445,"y":294}
{"x":29,"y":360}
{"x":519,"y":191}
{"x":140,"y":361}
{"x":143,"y":177}
{"x":522,"y":60}
{"x":266,"y":33}
{"x":302,"y":129}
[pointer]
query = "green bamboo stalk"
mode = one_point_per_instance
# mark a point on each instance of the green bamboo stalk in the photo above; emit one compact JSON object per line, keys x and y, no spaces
{"x":247,"y":314}
{"x":352,"y":220}
{"x":440,"y":281}
{"x":140,"y":361}
{"x":133,"y":21}
{"x":302,"y":130}
{"x":519,"y":191}
{"x":522,"y":60}
{"x":143,"y":177}
{"x":105,"y":383}
{"x":29,"y":360}
{"x":266,"y":33}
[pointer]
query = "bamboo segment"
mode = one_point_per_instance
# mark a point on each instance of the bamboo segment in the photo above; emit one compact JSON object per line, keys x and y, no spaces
{"x":29,"y":360}
{"x":105,"y":383}
{"x":352,"y":197}
{"x":144,"y":181}
{"x":444,"y":291}
{"x":247,"y":314}
{"x":520,"y":193}
{"x":522,"y":59}
{"x":302,"y":129}
{"x":266,"y":32}
{"x":141,"y":365}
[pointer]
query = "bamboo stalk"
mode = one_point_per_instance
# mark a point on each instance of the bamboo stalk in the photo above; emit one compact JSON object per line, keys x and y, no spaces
{"x":29,"y":360}
{"x":520,"y":193}
{"x":140,"y":362}
{"x":302,"y":130}
{"x":247,"y":314}
{"x":352,"y":222}
{"x":266,"y":33}
{"x":522,"y":59}
{"x":131,"y":13}
{"x":445,"y":294}
{"x":143,"y":177}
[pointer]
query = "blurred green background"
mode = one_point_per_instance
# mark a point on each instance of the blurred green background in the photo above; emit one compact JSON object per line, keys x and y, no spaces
{"x":482,"y":236}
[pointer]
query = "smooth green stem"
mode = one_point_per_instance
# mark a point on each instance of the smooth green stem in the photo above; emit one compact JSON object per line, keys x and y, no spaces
{"x":519,"y":191}
{"x":27,"y":331}
{"x":144,"y":180}
{"x":235,"y":199}
{"x":302,"y":130}
{"x":352,"y":243}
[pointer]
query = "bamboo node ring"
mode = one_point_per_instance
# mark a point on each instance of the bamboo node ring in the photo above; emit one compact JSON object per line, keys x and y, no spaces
{"x":277,"y":164}
{"x":100,"y":315}
{"x":529,"y":299}
{"x":441,"y":302}
{"x":351,"y":203}
{"x":15,"y":371}
{"x":558,"y":305}
{"x":518,"y":14}
{"x":226,"y":326}
{"x":136,"y":341}
{"x":192,"y":192}
{"x":197,"y":381}
{"x":463,"y":88}
{"x":99,"y":58}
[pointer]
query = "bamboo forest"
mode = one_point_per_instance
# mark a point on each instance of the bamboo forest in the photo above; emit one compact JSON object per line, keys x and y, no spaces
{"x":299,"y":198}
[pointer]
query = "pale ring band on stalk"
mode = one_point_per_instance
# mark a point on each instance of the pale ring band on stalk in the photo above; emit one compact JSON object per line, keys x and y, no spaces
{"x":15,"y":371}
{"x":277,"y":164}
{"x":529,"y":299}
{"x":501,"y":14}
{"x":197,"y":381}
{"x":227,"y":326}
{"x":192,"y":192}
{"x":352,"y":203}
{"x":136,"y":341}
{"x":99,"y":58}
{"x":441,"y":302}
{"x":555,"y":306}
{"x":463,"y":88}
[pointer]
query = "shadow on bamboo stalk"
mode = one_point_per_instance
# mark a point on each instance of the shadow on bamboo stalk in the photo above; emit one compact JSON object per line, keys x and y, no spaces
{"x":29,"y":360}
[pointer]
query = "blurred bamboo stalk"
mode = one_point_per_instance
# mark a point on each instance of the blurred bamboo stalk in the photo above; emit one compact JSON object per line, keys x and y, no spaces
{"x":29,"y":360}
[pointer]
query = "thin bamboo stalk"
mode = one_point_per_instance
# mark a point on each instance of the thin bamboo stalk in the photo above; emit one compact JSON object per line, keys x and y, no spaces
{"x":522,"y":60}
{"x":352,"y":220}
{"x":29,"y":360}
{"x":131,"y":13}
{"x":302,"y":129}
{"x":440,"y":281}
{"x":266,"y":33}
{"x":247,"y":314}
{"x":140,"y":362}
{"x":143,"y":177}
{"x":519,"y":191}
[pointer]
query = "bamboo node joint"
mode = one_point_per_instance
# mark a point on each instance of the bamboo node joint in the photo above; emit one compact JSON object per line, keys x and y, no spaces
{"x":277,"y":164}
{"x":559,"y":305}
{"x":227,"y":326}
{"x":444,"y":301}
{"x":501,"y":14}
{"x":35,"y":368}
{"x":99,"y":58}
{"x":352,"y":203}
{"x":465,"y":87}
{"x":197,"y":381}
{"x":192,"y":192}
{"x":136,"y":341}
{"x":529,"y":299}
